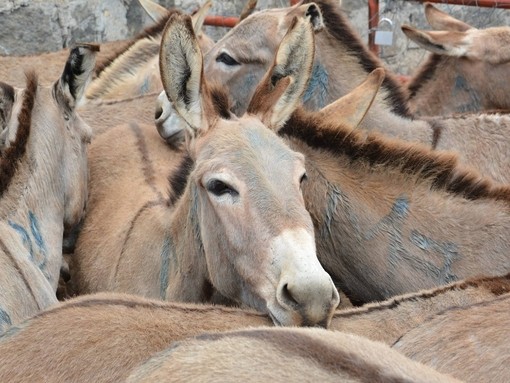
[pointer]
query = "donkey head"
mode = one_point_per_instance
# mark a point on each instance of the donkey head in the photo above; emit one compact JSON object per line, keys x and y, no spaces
{"x":257,"y":237}
{"x":475,"y":59}
{"x":58,"y":132}
{"x":240,"y":59}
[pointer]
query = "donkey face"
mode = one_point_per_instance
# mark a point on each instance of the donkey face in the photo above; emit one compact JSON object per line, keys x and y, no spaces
{"x":256,"y":234}
{"x":241,"y":58}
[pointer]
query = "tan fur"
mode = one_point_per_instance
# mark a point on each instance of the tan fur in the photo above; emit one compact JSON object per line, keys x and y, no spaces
{"x":119,"y":324}
{"x":338,"y":46}
{"x":242,"y":244}
{"x":43,"y":179}
{"x":281,"y":355}
{"x":457,"y":339}
{"x":464,"y":71}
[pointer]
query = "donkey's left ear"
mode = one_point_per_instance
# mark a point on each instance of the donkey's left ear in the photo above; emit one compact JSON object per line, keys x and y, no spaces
{"x":349,"y":110}
{"x":281,"y":89}
{"x":77,"y":74}
{"x":441,"y":21}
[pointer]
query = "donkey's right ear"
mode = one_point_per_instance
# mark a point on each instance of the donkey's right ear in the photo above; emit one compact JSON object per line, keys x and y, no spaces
{"x":155,"y":11}
{"x":441,"y":21}
{"x":6,"y":103}
{"x":77,"y":74}
{"x":349,"y":110}
{"x":181,"y":69}
{"x":312,"y":12}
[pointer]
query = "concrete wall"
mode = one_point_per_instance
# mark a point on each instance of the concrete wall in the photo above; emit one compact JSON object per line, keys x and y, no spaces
{"x":34,"y":26}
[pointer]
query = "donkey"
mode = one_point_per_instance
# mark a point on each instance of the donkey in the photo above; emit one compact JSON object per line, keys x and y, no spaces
{"x":121,"y":323}
{"x":238,"y":60}
{"x":234,"y":224}
{"x":133,"y":70}
{"x":456,"y":339}
{"x":281,"y":355}
{"x":393,"y":217}
{"x":464,"y":71}
{"x":43,"y":183}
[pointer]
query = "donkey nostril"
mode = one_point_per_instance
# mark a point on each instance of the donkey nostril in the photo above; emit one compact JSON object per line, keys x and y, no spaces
{"x":159,"y":112}
{"x":287,"y":296}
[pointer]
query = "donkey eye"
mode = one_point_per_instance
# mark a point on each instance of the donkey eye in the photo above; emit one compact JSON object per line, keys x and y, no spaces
{"x":303,"y":178}
{"x":226,"y":59}
{"x":219,"y":188}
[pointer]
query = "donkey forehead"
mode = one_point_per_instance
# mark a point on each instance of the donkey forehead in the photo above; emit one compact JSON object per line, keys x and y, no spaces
{"x":248,"y":143}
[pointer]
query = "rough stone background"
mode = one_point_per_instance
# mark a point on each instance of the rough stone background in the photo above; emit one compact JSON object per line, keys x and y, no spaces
{"x":34,"y":26}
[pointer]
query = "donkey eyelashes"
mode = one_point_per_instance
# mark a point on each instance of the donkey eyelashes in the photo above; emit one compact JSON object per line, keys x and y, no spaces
{"x":226,"y":59}
{"x":220,"y":188}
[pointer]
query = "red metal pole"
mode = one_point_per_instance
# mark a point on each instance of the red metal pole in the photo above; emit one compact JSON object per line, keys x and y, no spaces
{"x":221,"y":21}
{"x":373,"y":21}
{"x":505,"y":4}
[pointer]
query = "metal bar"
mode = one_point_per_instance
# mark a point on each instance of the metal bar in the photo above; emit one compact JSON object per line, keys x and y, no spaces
{"x":221,"y":21}
{"x":294,"y":2}
{"x":504,"y":4}
{"x":373,"y":21}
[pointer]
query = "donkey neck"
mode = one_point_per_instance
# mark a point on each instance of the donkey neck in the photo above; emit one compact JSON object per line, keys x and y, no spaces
{"x":33,"y":202}
{"x":342,"y":62}
{"x":383,"y":231}
{"x":441,"y":87}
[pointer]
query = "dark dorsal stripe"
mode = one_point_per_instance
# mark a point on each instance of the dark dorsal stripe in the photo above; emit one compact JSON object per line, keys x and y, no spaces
{"x":220,"y":101}
{"x":441,"y":169}
{"x":179,"y":179}
{"x":307,"y":347}
{"x":150,"y":32}
{"x":426,"y":73}
{"x":15,"y":152}
{"x":496,"y":285}
{"x":339,"y":28}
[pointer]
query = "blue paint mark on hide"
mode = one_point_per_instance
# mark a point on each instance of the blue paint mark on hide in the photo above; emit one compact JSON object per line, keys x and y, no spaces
{"x":317,"y":86}
{"x":35,"y":232}
{"x":145,"y":87}
{"x":165,"y":264}
{"x":4,"y":318}
{"x":460,"y":90}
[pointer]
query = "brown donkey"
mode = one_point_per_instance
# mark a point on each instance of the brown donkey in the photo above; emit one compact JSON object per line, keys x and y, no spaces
{"x":43,"y":184}
{"x":342,"y":61}
{"x":393,"y":217}
{"x":126,"y":330}
{"x":234,"y":224}
{"x":455,"y":340}
{"x":282,"y":355}
{"x":465,"y":69}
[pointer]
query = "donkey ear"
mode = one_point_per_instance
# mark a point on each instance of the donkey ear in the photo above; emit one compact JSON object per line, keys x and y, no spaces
{"x":350,"y":109}
{"x":248,"y":9}
{"x":313,"y":13}
{"x":155,"y":11}
{"x":77,"y":74}
{"x":181,"y":68}
{"x":441,"y":21}
{"x":281,"y":89}
{"x":198,"y":17}
{"x":439,"y":42}
{"x":6,"y":103}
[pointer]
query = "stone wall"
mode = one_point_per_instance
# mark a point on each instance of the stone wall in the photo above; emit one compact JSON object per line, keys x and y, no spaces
{"x":34,"y":26}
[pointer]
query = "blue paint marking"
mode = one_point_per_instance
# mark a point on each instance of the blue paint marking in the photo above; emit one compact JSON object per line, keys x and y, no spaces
{"x":165,"y":264}
{"x":317,"y":86}
{"x":144,"y":88}
{"x":4,"y":318}
{"x":392,"y":225}
{"x":35,"y":232}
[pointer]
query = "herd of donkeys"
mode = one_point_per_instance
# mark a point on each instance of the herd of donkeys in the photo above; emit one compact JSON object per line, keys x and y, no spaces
{"x":273,"y":206}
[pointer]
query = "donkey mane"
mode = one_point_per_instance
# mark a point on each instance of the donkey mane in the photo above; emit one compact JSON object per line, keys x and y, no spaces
{"x":425,"y":74}
{"x":150,"y":32}
{"x":338,"y":26}
{"x":440,"y":169}
{"x":11,"y":157}
{"x":496,"y":285}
